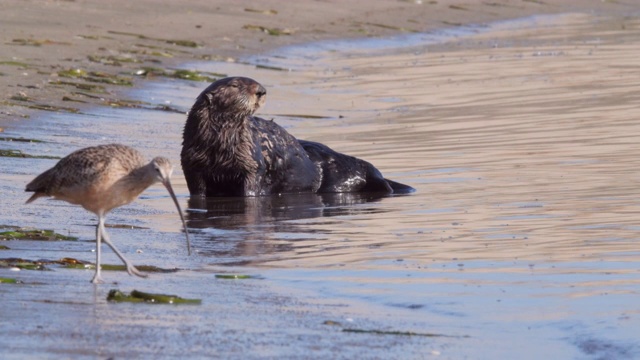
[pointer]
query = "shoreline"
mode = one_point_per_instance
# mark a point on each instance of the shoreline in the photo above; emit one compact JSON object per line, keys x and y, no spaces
{"x":70,"y":55}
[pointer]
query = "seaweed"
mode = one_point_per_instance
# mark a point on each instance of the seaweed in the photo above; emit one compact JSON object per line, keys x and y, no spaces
{"x":389,"y":332}
{"x":102,"y":77}
{"x":15,"y":63}
{"x":392,"y":332}
{"x":71,"y":263}
{"x":270,"y":31}
{"x":150,"y":298}
{"x":124,"y":226}
{"x":389,"y":27}
{"x":20,"y":154}
{"x":182,"y":74}
{"x":47,"y":107}
{"x":72,"y":73}
{"x":184,"y":43}
{"x":302,"y":116}
{"x":233,"y":276}
{"x":89,"y":37}
{"x":27,"y":102}
{"x":66,"y":98}
{"x":21,"y":97}
{"x":110,"y":267}
{"x":81,"y":86}
{"x":20,"y":139}
{"x":95,"y":76}
{"x":264,"y":12}
{"x":22,"y":264}
{"x":268,"y":67}
{"x":34,"y":234}
{"x":112,"y":60}
{"x":35,"y":42}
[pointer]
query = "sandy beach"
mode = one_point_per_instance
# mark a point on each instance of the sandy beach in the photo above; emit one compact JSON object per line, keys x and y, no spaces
{"x":518,"y":130}
{"x":52,"y":51}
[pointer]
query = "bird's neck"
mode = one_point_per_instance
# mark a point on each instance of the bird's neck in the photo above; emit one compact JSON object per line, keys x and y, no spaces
{"x":141,"y":178}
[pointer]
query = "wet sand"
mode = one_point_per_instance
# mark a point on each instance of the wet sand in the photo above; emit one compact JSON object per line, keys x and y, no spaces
{"x":43,"y":39}
{"x":518,"y":243}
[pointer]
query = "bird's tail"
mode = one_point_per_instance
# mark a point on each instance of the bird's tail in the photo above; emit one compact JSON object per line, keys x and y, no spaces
{"x":35,"y":196}
{"x":38,"y":186}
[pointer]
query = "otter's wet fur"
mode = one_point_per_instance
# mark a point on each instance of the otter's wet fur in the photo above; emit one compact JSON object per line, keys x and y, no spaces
{"x":226,"y":151}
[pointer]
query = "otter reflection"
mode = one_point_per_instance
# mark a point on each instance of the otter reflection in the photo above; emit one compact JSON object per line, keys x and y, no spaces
{"x":243,"y":230}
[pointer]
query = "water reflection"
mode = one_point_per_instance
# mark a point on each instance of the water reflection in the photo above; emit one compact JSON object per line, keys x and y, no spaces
{"x":238,"y":228}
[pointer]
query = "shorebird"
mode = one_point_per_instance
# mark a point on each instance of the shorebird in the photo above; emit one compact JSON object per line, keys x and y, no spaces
{"x":101,"y":178}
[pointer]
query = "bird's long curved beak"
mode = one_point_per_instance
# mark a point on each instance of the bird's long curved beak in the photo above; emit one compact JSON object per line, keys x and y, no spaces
{"x":167,"y":184}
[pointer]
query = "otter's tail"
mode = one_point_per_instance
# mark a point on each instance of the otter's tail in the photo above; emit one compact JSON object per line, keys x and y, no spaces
{"x":399,"y":188}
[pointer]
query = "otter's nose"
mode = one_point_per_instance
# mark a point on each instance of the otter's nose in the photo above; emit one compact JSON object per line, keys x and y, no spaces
{"x":261,"y":91}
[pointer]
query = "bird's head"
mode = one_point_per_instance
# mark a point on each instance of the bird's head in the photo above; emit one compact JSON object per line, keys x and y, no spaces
{"x":162,"y":170}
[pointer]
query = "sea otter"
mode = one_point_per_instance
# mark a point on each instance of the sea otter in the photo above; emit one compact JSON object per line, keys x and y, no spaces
{"x":226,"y":151}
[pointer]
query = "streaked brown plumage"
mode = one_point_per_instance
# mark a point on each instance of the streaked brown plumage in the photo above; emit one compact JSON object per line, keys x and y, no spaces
{"x":101,"y":178}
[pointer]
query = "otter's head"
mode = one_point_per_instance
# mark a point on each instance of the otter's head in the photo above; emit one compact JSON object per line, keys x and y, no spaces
{"x":235,"y":95}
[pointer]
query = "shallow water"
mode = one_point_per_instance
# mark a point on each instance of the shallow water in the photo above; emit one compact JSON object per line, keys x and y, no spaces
{"x":521,"y":240}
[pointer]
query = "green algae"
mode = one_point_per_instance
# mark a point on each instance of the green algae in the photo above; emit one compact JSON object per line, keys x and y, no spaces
{"x":385,"y":332}
{"x":388,"y":332}
{"x":303,"y":116}
{"x":276,"y":68}
{"x":144,"y":268}
{"x":22,"y":264}
{"x":150,"y":298}
{"x":67,"y":98}
{"x":125,"y":226}
{"x":81,"y":86}
{"x":15,"y":63}
{"x":112,"y":60}
{"x":102,"y":77}
{"x":72,"y":263}
{"x":95,"y":76}
{"x":184,"y":43}
{"x":34,"y":234}
{"x":181,"y":74}
{"x":233,"y":276}
{"x":4,"y":280}
{"x":21,"y":97}
{"x":20,"y":139}
{"x":270,"y":31}
{"x":389,"y":27}
{"x":53,"y":108}
{"x":36,"y":42}
{"x":72,"y":73}
{"x":264,"y":12}
{"x":20,"y":154}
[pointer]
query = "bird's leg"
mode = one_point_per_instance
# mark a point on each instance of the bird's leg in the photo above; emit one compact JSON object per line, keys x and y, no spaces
{"x":97,"y":279}
{"x":130,"y":268}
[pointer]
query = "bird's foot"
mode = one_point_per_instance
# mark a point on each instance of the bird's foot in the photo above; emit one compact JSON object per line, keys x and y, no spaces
{"x":97,"y":279}
{"x":133,"y":271}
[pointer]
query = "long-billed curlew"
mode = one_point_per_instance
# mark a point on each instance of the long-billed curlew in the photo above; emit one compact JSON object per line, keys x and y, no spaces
{"x":101,"y":178}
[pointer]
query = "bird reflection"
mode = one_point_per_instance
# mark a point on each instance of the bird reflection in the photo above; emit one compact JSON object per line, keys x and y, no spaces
{"x":240,"y":230}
